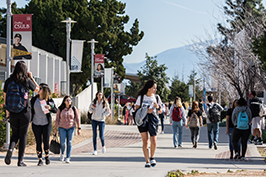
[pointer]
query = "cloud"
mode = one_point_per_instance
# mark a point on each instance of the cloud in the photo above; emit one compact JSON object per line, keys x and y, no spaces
{"x":183,"y":7}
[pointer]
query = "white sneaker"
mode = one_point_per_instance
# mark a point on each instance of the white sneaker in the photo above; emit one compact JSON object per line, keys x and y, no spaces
{"x":94,"y":153}
{"x":62,"y":157}
{"x":104,"y":149}
{"x":162,"y":132}
{"x":67,"y":160}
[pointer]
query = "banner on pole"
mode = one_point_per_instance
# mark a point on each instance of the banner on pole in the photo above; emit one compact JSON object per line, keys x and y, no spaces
{"x":22,"y":43}
{"x":76,"y":55}
{"x":98,"y":65}
{"x":190,"y":91}
{"x":107,"y":77}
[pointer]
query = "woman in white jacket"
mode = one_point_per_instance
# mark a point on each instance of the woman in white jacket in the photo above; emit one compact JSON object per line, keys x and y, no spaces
{"x":100,"y":110}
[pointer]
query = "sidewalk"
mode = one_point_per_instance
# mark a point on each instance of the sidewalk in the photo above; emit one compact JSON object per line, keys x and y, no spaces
{"x":124,"y":157}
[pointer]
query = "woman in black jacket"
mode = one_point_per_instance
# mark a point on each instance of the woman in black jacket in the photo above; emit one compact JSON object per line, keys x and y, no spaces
{"x":42,"y":105}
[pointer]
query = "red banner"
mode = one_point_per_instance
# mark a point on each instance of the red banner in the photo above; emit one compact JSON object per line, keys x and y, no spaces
{"x":22,"y":22}
{"x":99,"y":58}
{"x":99,"y":64}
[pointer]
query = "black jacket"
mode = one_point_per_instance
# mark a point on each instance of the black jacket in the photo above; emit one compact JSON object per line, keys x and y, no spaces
{"x":48,"y":102}
{"x":255,"y":108}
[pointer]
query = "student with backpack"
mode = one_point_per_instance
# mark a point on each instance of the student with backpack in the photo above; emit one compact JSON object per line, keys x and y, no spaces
{"x":65,"y":122}
{"x":213,"y":111}
{"x":100,"y":109}
{"x":16,"y":95}
{"x":177,"y":121}
{"x":241,"y":119}
{"x":194,"y":121}
{"x":42,"y":105}
{"x":147,"y":99}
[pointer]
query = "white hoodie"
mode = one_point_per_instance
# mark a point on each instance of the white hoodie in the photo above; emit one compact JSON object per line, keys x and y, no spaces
{"x":99,"y":113}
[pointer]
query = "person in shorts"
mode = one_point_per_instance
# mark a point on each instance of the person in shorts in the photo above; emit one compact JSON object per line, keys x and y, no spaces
{"x":147,"y":97}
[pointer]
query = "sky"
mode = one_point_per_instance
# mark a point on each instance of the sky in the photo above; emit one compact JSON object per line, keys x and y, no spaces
{"x":167,"y":24}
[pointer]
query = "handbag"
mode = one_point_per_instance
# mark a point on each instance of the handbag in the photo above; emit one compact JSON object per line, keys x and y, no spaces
{"x":55,"y":145}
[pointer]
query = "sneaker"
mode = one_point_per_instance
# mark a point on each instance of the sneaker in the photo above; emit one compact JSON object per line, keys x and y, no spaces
{"x":258,"y":143}
{"x":179,"y":146}
{"x":40,"y":163}
{"x":8,"y":157}
{"x":236,"y":155}
{"x":147,"y":165}
{"x":47,"y":160}
{"x":67,"y":160}
{"x":251,"y":141}
{"x":94,"y":153}
{"x":21,"y":164}
{"x":62,"y":157}
{"x":215,"y":145}
{"x":162,"y":132}
{"x":242,"y":158}
{"x":153,"y":162}
{"x":196,"y":144}
{"x":104,"y":149}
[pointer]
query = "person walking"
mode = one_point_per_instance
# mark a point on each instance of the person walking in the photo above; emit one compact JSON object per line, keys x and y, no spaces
{"x":230,"y":127}
{"x":241,"y":119}
{"x":177,"y":121}
{"x":65,"y":122}
{"x":42,"y":105}
{"x":194,"y":121}
{"x":147,"y":98}
{"x":100,"y":110}
{"x":131,"y":111}
{"x":161,"y":116}
{"x":16,"y":91}
{"x":213,"y":111}
{"x":255,"y":106}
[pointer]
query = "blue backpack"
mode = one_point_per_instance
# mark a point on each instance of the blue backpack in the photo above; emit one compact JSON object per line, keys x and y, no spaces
{"x":242,"y":121}
{"x":15,"y":97}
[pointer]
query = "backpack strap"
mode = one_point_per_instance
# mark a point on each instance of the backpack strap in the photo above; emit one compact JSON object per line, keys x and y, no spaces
{"x":141,"y":100}
{"x":157,"y":98}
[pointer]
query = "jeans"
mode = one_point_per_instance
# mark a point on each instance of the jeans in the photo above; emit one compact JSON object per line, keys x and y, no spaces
{"x":213,"y":127}
{"x":101,"y":125}
{"x":177,"y":125}
{"x":66,"y":134}
{"x":194,"y":134}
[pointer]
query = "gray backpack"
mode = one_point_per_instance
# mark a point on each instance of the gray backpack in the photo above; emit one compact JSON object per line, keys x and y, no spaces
{"x":194,"y":120}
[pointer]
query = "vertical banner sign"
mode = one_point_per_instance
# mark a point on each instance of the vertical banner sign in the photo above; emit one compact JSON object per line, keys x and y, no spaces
{"x":107,"y":77}
{"x":99,"y":64}
{"x":76,"y":55}
{"x":122,"y":88}
{"x":190,"y":91}
{"x":22,"y":36}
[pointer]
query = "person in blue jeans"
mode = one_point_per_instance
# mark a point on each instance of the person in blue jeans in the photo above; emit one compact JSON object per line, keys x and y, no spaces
{"x":230,"y":127}
{"x":65,"y":121}
{"x":177,"y":120}
{"x":99,"y":108}
{"x":213,"y":127}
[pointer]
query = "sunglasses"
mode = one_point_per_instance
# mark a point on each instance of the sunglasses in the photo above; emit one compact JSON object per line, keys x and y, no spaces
{"x":68,"y":100}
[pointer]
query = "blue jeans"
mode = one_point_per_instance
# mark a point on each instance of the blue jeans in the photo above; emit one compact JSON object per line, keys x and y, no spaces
{"x":230,"y":140}
{"x":66,"y":134}
{"x":213,"y":127}
{"x":177,"y":126}
{"x":101,"y":125}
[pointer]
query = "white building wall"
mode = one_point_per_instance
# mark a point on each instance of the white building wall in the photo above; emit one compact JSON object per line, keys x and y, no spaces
{"x":63,"y":77}
{"x":57,"y":79}
{"x":51,"y":73}
{"x":43,"y":72}
{"x":35,"y":63}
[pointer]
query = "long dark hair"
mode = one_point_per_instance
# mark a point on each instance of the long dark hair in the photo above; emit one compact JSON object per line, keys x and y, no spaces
{"x":46,"y":92}
{"x":149,"y":84}
{"x":63,"y":105}
{"x":20,"y":74}
{"x":234,"y":105}
{"x":104,"y":101}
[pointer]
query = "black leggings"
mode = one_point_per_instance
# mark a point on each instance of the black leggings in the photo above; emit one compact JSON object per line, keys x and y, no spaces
{"x":162,"y":122}
{"x":244,"y":135}
{"x":42,"y":135}
{"x":19,"y":123}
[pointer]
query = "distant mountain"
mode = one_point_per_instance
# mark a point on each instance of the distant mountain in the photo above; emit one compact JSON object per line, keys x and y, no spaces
{"x":180,"y":61}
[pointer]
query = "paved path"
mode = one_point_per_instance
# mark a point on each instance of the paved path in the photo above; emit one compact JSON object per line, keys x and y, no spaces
{"x":124,"y":157}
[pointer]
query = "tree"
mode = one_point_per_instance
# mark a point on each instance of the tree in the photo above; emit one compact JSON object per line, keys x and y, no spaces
{"x":102,"y":20}
{"x":192,"y":77}
{"x":151,"y":70}
{"x":178,"y":88}
{"x":132,"y":89}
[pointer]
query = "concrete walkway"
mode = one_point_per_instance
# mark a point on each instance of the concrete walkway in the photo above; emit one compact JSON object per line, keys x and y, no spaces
{"x":124,"y":157}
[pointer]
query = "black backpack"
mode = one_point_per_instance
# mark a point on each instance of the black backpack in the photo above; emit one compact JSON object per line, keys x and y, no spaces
{"x":214,"y":114}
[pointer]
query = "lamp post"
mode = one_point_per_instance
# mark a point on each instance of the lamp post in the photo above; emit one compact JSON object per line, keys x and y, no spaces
{"x":68,"y":22}
{"x":8,"y":60}
{"x":92,"y":62}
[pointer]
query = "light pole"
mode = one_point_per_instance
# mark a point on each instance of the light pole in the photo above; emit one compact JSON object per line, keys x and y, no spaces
{"x":8,"y":60}
{"x":68,"y":22}
{"x":92,"y":62}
